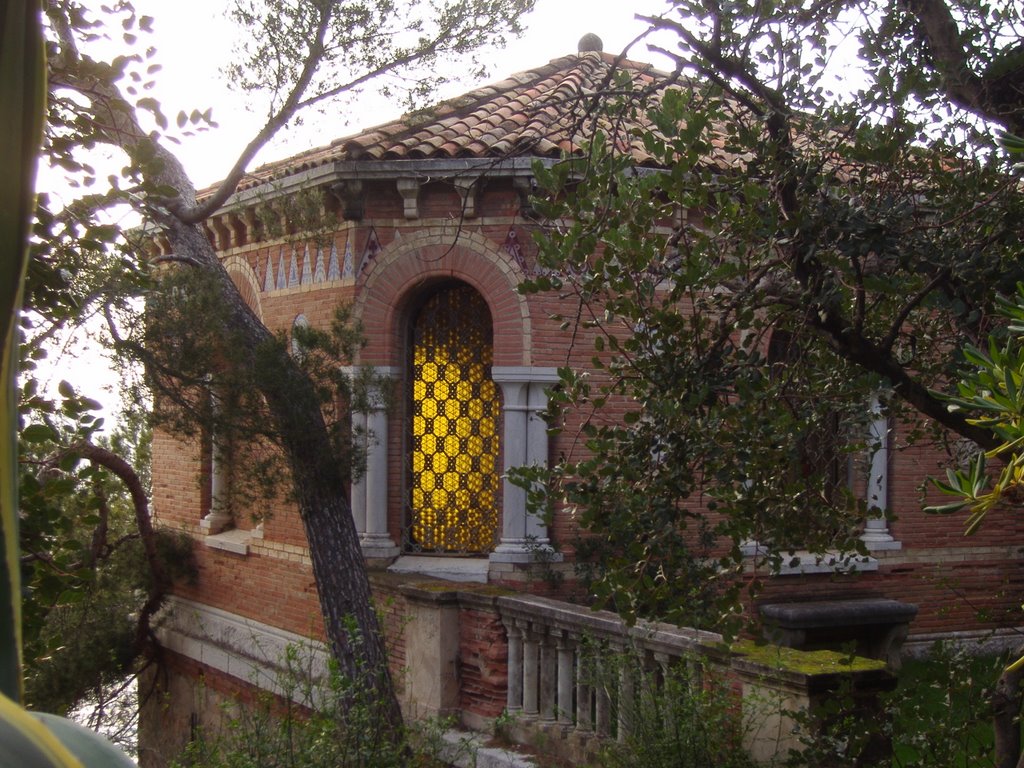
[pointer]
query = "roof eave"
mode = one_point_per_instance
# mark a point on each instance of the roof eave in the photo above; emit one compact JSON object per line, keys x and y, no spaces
{"x":374,"y":170}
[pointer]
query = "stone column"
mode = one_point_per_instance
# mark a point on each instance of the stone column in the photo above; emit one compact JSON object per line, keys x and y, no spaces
{"x":525,"y":444}
{"x":531,"y":671}
{"x":537,"y":454}
{"x":514,"y":544}
{"x":876,"y":534}
{"x":602,"y":698}
{"x":566,"y":675}
{"x":219,"y":517}
{"x":627,"y":698}
{"x":358,"y":500}
{"x":370,"y":492}
{"x":584,"y":690}
{"x":548,"y":675}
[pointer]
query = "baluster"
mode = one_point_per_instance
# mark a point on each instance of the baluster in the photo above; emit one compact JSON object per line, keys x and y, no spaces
{"x":649,"y":685}
{"x":668,"y":691}
{"x":662,"y":660}
{"x":585,"y":690}
{"x":566,"y":668}
{"x":602,"y":698}
{"x":548,"y":676}
{"x":695,"y":668}
{"x":515,"y":667}
{"x":530,"y":670}
{"x":627,"y":696}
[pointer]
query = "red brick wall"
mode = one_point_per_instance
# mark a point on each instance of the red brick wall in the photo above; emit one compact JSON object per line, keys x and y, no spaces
{"x":483,"y":662}
{"x":957,"y":582}
{"x":392,"y":608}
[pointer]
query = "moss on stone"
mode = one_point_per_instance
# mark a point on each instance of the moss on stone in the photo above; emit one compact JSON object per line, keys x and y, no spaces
{"x":805,"y":662}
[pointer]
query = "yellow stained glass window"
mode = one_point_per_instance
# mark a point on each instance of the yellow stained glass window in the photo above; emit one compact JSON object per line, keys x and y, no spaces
{"x":455,"y":406}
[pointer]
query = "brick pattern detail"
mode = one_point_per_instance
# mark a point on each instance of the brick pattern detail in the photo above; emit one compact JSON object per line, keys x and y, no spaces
{"x":436,"y":253}
{"x":483,"y":663}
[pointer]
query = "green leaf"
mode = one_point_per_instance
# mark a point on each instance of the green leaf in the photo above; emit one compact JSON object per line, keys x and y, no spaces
{"x":946,"y":509}
{"x":22,"y":105}
{"x":87,"y":746}
{"x":38,"y":433}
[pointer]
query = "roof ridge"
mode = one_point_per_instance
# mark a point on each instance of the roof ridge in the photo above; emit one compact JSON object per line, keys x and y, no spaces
{"x":533,"y":111}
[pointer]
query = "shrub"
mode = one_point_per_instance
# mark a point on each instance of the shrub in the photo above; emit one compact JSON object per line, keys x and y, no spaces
{"x":311,"y":722}
{"x":677,"y":718}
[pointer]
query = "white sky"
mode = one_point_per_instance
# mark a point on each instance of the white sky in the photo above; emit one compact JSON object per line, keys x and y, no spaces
{"x":194,"y":53}
{"x":194,"y":42}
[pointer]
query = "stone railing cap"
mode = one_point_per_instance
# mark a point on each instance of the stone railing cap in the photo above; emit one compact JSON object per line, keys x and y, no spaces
{"x":833,"y":613}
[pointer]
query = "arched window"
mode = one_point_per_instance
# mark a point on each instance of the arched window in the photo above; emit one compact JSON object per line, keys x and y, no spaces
{"x":454,"y":444}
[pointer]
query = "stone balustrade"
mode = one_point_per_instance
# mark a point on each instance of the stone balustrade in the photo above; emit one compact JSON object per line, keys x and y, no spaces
{"x":569,"y":677}
{"x":578,"y":677}
{"x":580,"y":669}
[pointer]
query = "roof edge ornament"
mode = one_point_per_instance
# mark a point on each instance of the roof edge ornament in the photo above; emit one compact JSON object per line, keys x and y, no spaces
{"x":590,"y":42}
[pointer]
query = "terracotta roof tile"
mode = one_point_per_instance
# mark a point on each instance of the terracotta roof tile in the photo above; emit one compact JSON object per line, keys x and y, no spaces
{"x":532,"y":113}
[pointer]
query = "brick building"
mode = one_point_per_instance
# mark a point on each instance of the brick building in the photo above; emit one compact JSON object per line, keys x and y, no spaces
{"x":433,"y":233}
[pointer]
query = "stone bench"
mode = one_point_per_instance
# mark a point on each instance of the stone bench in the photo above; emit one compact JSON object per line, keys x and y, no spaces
{"x":876,"y":627}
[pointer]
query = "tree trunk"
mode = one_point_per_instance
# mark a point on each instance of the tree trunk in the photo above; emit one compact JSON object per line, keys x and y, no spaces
{"x":144,"y":523}
{"x":342,"y":582}
{"x":1006,"y":704}
{"x":343,"y":586}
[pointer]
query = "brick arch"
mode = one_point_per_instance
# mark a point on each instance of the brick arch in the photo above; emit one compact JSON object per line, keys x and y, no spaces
{"x":406,"y":266}
{"x":246,"y":281}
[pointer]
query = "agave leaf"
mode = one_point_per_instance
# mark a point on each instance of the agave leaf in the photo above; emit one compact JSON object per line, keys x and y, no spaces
{"x":22,"y":103}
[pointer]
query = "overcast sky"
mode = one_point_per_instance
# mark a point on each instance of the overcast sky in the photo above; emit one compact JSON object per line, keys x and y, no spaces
{"x":193,"y":54}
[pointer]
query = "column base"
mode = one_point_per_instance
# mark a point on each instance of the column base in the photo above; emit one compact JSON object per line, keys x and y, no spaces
{"x":525,"y":551}
{"x":378,"y":546}
{"x":215,"y":522}
{"x":880,"y":541}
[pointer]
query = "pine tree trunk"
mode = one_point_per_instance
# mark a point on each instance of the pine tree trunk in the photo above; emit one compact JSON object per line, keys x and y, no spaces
{"x":350,"y":621}
{"x":338,"y":566}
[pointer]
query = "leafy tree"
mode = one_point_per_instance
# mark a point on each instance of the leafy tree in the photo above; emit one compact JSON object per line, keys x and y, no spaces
{"x":95,"y":569}
{"x":840,"y":241}
{"x":990,"y":395}
{"x":848,"y":225}
{"x":33,"y":740}
{"x":300,"y":54}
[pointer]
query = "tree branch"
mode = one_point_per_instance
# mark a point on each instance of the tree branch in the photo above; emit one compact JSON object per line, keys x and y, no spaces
{"x":942,"y":37}
{"x":915,"y":301}
{"x":140,"y":502}
{"x":860,"y":351}
{"x":276,"y":121}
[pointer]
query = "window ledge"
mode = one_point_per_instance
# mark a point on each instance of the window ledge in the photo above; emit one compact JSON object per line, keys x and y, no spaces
{"x":804,"y":562}
{"x":235,"y":541}
{"x":466,"y":569}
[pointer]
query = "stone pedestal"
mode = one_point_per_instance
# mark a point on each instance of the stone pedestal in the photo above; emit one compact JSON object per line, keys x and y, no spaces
{"x":431,"y":651}
{"x":877,"y":626}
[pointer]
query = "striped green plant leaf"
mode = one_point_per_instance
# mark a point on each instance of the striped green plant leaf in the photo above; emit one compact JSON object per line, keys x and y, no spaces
{"x":27,"y":741}
{"x":22,"y":103}
{"x":34,"y":740}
